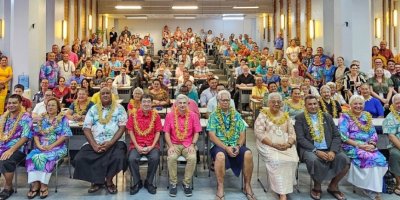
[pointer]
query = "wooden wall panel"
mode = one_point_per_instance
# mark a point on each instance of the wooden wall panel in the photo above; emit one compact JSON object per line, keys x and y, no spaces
{"x":274,"y":18}
{"x":289,"y":19}
{"x":83,"y":19}
{"x":76,"y":17}
{"x":66,"y":17}
{"x":297,"y":20}
{"x":90,"y":13}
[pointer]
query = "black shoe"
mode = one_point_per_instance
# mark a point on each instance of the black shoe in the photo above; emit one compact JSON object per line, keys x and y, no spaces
{"x":6,"y":193}
{"x":150,"y":187}
{"x":135,"y":189}
{"x":173,"y":190}
{"x":187,"y":190}
{"x":94,"y":187}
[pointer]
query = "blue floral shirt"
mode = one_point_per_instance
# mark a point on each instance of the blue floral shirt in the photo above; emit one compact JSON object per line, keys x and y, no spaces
{"x":391,"y":126}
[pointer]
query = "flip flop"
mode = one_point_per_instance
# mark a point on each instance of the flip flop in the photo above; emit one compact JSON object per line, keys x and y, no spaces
{"x":42,"y":193}
{"x":337,"y":194}
{"x":33,"y":192}
{"x":397,"y":191}
{"x":112,"y":189}
{"x":220,"y":197}
{"x":315,"y":197}
{"x":250,"y":196}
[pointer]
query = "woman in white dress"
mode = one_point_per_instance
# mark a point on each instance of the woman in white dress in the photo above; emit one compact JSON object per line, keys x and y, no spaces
{"x":275,"y":143}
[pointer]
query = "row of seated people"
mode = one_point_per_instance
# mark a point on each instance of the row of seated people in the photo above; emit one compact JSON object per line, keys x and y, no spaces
{"x":328,"y":151}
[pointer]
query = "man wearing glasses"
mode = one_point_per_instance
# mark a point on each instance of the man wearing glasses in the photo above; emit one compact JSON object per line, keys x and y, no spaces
{"x":40,"y":108}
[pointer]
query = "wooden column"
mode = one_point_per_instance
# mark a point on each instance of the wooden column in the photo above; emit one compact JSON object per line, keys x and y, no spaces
{"x":298,"y":25}
{"x":76,"y":17}
{"x":384,"y":20}
{"x":66,"y":17}
{"x":288,"y":19}
{"x":308,"y":18}
{"x":83,"y":19}
{"x":90,"y":13}
{"x":280,"y":12}
{"x":274,"y":17}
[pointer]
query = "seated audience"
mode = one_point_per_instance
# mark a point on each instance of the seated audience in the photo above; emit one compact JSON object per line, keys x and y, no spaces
{"x":18,"y":125}
{"x":276,"y":141}
{"x":86,"y":83}
{"x":272,"y":87}
{"x":328,"y":104}
{"x":61,"y":89}
{"x":66,"y":66}
{"x":181,"y":128}
{"x":160,"y":96}
{"x":104,"y":128}
{"x":193,"y":105}
{"x":50,"y":137}
{"x":295,"y":80}
{"x":284,"y":87}
{"x":368,"y":165}
{"x":318,"y":141}
{"x":78,"y":109}
{"x":185,"y":77}
{"x":372,"y":105}
{"x":295,"y":104}
{"x":209,"y":93}
{"x":122,"y":80}
{"x":71,"y":96}
{"x":228,"y":150}
{"x":96,"y":98}
{"x":40,"y":108}
{"x":391,"y":127}
{"x":201,"y":71}
{"x":88,"y":70}
{"x":77,"y":77}
{"x":99,"y":77}
{"x":271,"y":77}
{"x":135,"y":102}
{"x":39,"y":96}
{"x":26,"y":103}
{"x":144,"y":127}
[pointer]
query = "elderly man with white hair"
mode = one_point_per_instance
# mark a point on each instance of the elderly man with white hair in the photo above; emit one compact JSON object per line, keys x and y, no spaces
{"x":329,"y":105}
{"x":391,"y":127}
{"x":226,"y":130}
{"x":276,"y":144}
{"x":181,"y":128}
{"x":335,"y":95}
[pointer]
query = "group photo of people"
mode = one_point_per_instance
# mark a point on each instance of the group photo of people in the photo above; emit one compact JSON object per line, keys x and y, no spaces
{"x":196,"y":111}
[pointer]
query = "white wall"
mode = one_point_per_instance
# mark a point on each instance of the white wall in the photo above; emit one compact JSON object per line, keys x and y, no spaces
{"x":154,"y":27}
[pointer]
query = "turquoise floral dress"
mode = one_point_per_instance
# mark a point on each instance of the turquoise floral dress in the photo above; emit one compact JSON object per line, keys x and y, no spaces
{"x":45,"y":161}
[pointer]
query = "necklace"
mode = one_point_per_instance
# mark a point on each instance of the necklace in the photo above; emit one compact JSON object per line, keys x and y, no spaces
{"x":395,"y":113}
{"x":5,"y":137}
{"x":227,"y":133}
{"x":77,"y":108}
{"x":133,"y":105}
{"x":179,"y":134}
{"x":319,"y":127}
{"x":145,"y":132}
{"x":297,"y":106}
{"x":54,"y":124}
{"x":64,"y":66}
{"x":277,"y":121}
{"x":356,"y":120}
{"x":325,"y":109}
{"x":102,"y":120}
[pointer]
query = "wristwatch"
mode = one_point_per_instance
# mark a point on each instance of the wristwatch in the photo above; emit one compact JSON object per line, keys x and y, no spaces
{"x":315,"y":150}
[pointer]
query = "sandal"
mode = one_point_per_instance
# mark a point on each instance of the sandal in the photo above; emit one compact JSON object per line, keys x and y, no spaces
{"x":112,"y":189}
{"x":397,"y":191}
{"x":220,"y":197}
{"x":94,"y":188}
{"x":337,"y":194}
{"x":318,"y":194}
{"x":250,"y":196}
{"x":44,"y":193}
{"x":6,"y":193}
{"x":32,"y":193}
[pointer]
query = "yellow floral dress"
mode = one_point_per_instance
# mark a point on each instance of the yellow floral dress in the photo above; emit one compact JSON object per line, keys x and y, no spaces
{"x":4,"y":74}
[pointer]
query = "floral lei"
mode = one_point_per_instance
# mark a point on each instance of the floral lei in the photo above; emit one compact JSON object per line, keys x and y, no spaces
{"x":145,"y":132}
{"x":320,"y":123}
{"x":5,"y":137}
{"x":181,"y":136}
{"x":109,"y":114}
{"x":273,"y":119}
{"x":78,"y":110}
{"x":395,"y":113}
{"x":365,"y":127}
{"x":325,"y":109}
{"x":134,"y":105}
{"x":298,"y":106}
{"x":53,"y":124}
{"x":228,"y":134}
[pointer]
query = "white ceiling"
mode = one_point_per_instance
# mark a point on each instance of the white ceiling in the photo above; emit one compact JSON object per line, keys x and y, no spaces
{"x":161,"y":9}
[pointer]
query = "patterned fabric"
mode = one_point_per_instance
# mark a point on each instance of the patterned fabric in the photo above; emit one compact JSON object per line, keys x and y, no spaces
{"x":329,"y":74}
{"x":23,"y":130}
{"x":144,"y":123}
{"x":391,"y":126}
{"x":72,"y":107}
{"x":201,"y":71}
{"x":50,"y":71}
{"x":214,"y":126}
{"x":349,"y":130}
{"x":316,"y":71}
{"x":102,"y":133}
{"x":314,"y":121}
{"x":38,"y":160}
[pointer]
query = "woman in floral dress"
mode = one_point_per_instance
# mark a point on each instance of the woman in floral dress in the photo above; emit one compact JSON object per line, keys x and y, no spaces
{"x":368,"y":165}
{"x":49,"y":137}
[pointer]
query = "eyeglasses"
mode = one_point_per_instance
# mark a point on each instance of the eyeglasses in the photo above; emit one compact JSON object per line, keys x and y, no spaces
{"x":224,"y":100}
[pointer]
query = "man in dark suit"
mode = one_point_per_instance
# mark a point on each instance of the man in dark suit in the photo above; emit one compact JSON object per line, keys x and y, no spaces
{"x":319,"y":143}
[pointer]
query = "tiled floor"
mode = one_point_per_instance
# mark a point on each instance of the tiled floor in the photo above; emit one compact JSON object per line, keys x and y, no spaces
{"x":205,"y":186}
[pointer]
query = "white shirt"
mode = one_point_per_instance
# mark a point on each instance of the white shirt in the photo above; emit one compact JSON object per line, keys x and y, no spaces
{"x":66,"y":69}
{"x":39,"y":109}
{"x":292,"y":53}
{"x":180,"y":79}
{"x":118,"y":81}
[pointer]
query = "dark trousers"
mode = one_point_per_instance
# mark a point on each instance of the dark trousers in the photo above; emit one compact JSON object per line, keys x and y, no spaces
{"x":153,"y":158}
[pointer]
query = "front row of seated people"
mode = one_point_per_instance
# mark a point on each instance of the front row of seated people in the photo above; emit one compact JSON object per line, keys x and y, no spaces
{"x":319,"y":141}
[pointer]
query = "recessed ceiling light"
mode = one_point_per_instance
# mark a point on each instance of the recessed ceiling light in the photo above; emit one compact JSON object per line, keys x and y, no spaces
{"x":128,"y":7}
{"x":229,"y":15}
{"x":137,"y":17}
{"x":245,"y":7}
{"x":232,"y":18}
{"x":185,"y":7}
